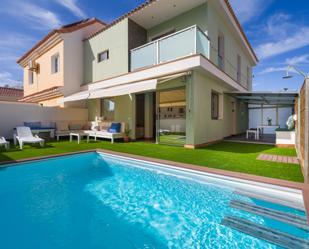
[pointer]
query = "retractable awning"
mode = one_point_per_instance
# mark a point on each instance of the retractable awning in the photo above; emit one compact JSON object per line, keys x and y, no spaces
{"x":118,"y":90}
{"x":122,"y":89}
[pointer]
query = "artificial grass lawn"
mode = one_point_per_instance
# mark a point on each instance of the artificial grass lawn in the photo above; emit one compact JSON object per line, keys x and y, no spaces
{"x":172,"y":139}
{"x":238,"y":157}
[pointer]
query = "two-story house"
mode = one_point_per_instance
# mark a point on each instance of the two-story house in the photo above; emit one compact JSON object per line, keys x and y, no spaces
{"x":53,"y":68}
{"x":165,"y":68}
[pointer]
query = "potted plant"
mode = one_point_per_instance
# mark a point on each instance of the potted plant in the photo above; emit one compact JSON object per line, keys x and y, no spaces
{"x":126,"y":137}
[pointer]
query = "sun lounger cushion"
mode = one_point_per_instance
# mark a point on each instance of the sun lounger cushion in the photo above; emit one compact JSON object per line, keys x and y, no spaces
{"x":75,"y":127}
{"x":115,"y":128}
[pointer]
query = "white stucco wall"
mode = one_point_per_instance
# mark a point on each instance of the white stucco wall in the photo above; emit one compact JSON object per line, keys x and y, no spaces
{"x":15,"y":114}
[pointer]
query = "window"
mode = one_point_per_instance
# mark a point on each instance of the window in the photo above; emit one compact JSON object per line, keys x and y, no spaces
{"x":221,"y":51}
{"x":55,"y":62}
{"x":107,"y":109}
{"x":238,"y":69}
{"x":248,"y":76}
{"x":214,"y":105}
{"x":30,"y":76}
{"x":103,"y":56}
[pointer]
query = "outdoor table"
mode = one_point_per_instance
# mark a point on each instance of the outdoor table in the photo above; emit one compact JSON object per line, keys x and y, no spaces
{"x":79,"y":135}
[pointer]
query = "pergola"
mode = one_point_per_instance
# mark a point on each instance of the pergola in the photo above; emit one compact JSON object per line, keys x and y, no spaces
{"x":267,"y":100}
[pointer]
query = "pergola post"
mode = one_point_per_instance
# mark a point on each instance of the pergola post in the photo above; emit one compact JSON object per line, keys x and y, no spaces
{"x":277,"y":115}
{"x":262,"y":114}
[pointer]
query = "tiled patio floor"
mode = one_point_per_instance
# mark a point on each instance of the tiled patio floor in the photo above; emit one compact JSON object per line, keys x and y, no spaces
{"x":279,"y":159}
{"x":264,"y":139}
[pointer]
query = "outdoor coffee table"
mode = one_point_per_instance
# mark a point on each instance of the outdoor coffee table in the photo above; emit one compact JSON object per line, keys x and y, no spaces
{"x":79,"y":135}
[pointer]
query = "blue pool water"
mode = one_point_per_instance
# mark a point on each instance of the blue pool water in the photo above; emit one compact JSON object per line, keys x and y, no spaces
{"x":97,"y":201}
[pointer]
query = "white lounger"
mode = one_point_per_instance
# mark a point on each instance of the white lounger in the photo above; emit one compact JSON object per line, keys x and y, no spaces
{"x":5,"y":143}
{"x":24,"y":135}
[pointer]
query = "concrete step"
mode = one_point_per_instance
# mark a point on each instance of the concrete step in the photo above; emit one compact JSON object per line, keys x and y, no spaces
{"x":273,"y":236}
{"x":292,"y":219}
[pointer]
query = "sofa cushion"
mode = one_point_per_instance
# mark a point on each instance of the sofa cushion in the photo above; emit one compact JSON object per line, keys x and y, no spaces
{"x":104,"y":126}
{"x":33,"y":124}
{"x":115,"y":128}
{"x":62,"y":126}
{"x":86,"y":126}
{"x":75,"y":127}
{"x":48,"y":125}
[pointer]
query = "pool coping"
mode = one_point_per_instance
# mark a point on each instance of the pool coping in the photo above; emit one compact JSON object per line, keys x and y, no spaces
{"x":261,"y":179}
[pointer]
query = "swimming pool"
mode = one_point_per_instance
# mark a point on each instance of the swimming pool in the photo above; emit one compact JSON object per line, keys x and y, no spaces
{"x":97,"y":200}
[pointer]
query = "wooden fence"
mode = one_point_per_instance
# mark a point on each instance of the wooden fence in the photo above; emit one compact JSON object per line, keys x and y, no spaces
{"x":302,"y":128}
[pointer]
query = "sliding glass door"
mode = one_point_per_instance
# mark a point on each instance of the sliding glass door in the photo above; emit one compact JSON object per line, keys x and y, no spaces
{"x":171,"y":116}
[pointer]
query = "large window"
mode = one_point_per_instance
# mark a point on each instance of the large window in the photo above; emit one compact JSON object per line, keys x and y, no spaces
{"x":238,"y":69}
{"x":248,"y":76}
{"x":103,"y":56}
{"x":55,"y":63}
{"x":214,"y":105}
{"x":221,"y":51}
{"x":108,"y":109}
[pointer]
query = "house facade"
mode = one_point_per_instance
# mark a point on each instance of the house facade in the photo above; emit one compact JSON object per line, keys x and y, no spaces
{"x":53,"y":68}
{"x":165,"y":69}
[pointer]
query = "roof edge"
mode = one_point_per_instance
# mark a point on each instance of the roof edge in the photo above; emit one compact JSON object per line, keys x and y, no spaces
{"x":61,"y":30}
{"x":227,"y":2}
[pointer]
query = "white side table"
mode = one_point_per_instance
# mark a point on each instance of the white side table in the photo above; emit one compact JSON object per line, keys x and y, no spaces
{"x":79,"y":136}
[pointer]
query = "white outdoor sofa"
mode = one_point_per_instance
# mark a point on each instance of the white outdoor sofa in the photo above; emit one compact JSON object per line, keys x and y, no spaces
{"x":102,"y":132}
{"x":64,"y":128}
{"x":5,"y":143}
{"x":24,"y":135}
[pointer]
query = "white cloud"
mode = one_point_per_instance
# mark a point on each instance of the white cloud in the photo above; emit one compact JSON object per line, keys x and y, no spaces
{"x":73,"y":7}
{"x":247,"y":10}
{"x":6,"y":78}
{"x":272,"y":70}
{"x":296,"y":40}
{"x":40,"y":18}
{"x":281,"y":34}
{"x":31,"y":15}
{"x":298,"y":60}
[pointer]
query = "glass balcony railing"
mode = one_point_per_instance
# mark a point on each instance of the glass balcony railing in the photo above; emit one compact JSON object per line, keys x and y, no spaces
{"x":185,"y":42}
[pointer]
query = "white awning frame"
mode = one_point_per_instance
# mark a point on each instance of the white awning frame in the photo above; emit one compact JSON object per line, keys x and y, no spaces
{"x":122,"y":89}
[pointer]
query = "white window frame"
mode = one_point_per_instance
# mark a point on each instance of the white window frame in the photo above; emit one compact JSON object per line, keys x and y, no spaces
{"x":55,"y":68}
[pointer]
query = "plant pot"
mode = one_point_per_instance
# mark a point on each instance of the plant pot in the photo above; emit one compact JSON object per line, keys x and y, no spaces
{"x":126,"y":139}
{"x":269,"y":122}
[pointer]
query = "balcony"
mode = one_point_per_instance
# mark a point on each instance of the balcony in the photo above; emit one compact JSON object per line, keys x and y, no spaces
{"x":183,"y":43}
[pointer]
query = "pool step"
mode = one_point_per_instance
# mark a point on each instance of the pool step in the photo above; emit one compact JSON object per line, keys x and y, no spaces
{"x":292,"y":219}
{"x":282,"y":239}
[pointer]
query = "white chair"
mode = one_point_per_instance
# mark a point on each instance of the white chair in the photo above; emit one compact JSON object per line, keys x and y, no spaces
{"x":5,"y":143}
{"x":253,"y":131}
{"x":24,"y":135}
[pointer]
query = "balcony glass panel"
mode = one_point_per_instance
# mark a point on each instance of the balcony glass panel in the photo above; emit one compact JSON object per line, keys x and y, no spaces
{"x":144,"y":57}
{"x":176,"y":46}
{"x":202,"y":44}
{"x":180,"y":44}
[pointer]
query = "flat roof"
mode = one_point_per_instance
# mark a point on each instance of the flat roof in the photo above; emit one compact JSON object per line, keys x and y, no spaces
{"x":266,"y":97}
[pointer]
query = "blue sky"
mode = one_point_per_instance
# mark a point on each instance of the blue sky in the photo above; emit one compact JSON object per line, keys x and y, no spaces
{"x":277,"y":30}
